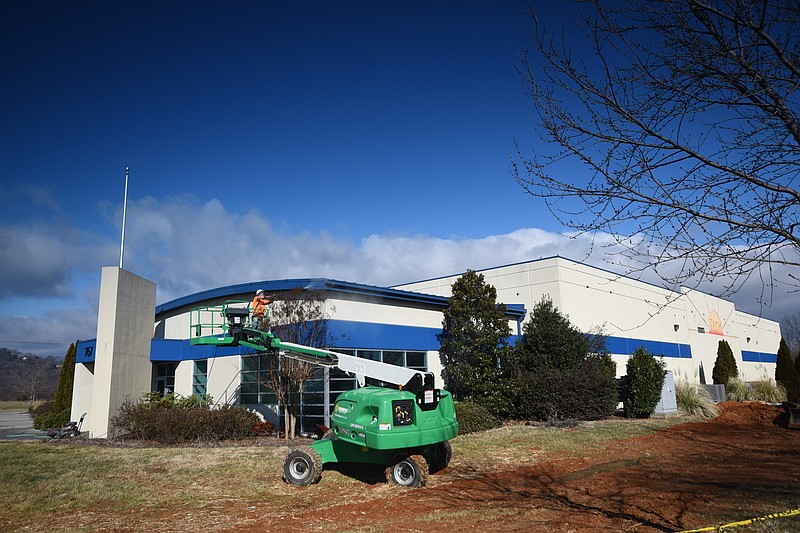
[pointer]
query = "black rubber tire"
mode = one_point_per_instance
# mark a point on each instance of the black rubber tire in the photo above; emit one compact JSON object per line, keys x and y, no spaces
{"x":329,"y":435}
{"x":303,"y":467}
{"x":407,"y":471}
{"x":442,"y":453}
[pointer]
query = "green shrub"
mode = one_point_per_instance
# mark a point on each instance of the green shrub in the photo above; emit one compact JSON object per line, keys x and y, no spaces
{"x":52,"y":420}
{"x":586,"y":392}
{"x":174,"y":419}
{"x":645,"y":378}
{"x":473,"y":417}
{"x":40,"y":409}
{"x":695,"y":400}
{"x":45,"y":417}
{"x":725,"y":364}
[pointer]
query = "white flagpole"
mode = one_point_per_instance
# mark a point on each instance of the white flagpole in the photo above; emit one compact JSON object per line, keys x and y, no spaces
{"x":124,"y":209}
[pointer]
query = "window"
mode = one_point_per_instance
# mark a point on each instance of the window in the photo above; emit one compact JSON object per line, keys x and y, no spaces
{"x":164,"y":378}
{"x":415,"y":360}
{"x":322,"y":388}
{"x":199,"y":378}
{"x":394,"y":358}
{"x":255,"y":380}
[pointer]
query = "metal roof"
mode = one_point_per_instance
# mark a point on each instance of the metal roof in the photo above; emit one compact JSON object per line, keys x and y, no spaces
{"x":358,"y":290}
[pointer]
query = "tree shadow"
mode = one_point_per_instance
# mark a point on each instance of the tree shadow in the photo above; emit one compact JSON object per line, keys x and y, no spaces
{"x":371,"y":474}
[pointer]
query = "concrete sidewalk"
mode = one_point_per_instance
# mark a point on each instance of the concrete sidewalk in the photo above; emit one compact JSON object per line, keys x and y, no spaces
{"x":18,"y":425}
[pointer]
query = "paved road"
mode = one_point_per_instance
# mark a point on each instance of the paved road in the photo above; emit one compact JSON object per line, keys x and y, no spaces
{"x":17,"y":425}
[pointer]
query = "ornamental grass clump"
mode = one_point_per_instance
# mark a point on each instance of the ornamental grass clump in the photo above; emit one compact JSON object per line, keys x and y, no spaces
{"x":767,"y":391}
{"x":695,"y":400}
{"x":762,"y":390}
{"x":736,"y":390}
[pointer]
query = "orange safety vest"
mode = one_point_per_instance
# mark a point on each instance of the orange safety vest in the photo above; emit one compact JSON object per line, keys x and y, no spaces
{"x":259,"y":306}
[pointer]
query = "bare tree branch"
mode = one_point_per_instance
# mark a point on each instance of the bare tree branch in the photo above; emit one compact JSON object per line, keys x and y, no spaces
{"x":298,"y":317}
{"x":676,"y":129}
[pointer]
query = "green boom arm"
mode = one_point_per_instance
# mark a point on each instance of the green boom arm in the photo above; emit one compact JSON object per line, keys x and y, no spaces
{"x":236,"y":330}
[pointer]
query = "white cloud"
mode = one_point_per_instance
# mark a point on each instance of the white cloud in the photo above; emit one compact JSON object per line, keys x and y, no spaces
{"x":186,"y":245}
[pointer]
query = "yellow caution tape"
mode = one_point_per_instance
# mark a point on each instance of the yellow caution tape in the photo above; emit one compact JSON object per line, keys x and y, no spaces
{"x":784,"y":514}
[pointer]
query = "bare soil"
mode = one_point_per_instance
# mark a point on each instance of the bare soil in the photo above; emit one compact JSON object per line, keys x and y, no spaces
{"x":743,"y":464}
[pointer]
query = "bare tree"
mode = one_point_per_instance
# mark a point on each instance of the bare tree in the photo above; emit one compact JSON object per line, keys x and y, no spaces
{"x":298,"y":317}
{"x":683,"y":118}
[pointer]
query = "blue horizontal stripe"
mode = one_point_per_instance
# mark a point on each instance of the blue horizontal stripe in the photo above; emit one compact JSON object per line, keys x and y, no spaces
{"x":348,"y":334}
{"x":343,"y":334}
{"x":626,"y":346}
{"x":759,"y":357}
{"x":352,"y":335}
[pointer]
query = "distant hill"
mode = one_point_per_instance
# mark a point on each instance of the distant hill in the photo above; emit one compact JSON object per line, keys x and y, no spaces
{"x":25,"y":376}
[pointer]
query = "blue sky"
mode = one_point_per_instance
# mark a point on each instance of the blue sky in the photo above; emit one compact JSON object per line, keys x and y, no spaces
{"x":363,"y":141}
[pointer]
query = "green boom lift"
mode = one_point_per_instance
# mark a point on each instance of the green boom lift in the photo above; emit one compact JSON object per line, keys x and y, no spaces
{"x":404,"y":424}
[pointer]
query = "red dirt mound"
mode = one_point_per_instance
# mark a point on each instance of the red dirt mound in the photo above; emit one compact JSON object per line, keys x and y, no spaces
{"x":749,"y":413}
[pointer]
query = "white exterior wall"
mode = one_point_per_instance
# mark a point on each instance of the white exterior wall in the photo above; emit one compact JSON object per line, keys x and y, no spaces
{"x":757,"y":335}
{"x":222,"y":378}
{"x":177,"y":327}
{"x":82,"y":384}
{"x":184,"y":372}
{"x":374,"y":313}
{"x":591,"y":297}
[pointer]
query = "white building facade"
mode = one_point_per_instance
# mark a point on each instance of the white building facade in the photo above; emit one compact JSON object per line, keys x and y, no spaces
{"x":399,"y":325}
{"x":684,"y":327}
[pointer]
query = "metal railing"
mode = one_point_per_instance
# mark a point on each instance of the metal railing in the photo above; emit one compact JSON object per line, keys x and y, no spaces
{"x":210,"y":320}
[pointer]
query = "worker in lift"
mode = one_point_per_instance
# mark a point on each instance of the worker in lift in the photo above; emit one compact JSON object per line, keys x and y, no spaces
{"x":259,"y":309}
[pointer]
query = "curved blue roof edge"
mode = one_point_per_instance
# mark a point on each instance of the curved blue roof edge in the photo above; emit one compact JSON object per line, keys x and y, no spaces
{"x":228,"y":290}
{"x":516,"y":311}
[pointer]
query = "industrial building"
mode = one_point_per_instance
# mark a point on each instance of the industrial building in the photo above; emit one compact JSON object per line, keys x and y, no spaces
{"x":141,"y":347}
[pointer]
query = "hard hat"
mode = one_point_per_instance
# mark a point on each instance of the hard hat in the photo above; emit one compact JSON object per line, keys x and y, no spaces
{"x":259,"y":292}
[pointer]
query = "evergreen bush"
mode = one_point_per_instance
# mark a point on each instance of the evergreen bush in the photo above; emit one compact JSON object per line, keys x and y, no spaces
{"x":586,"y":392}
{"x":40,"y":409}
{"x":474,"y":417}
{"x":645,"y":378}
{"x":786,"y":374}
{"x":474,"y":343}
{"x":797,"y":371}
{"x":63,"y":398}
{"x":52,"y":420}
{"x":725,"y":364}
{"x":549,"y":340}
{"x":56,"y":414}
{"x":558,"y":373}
